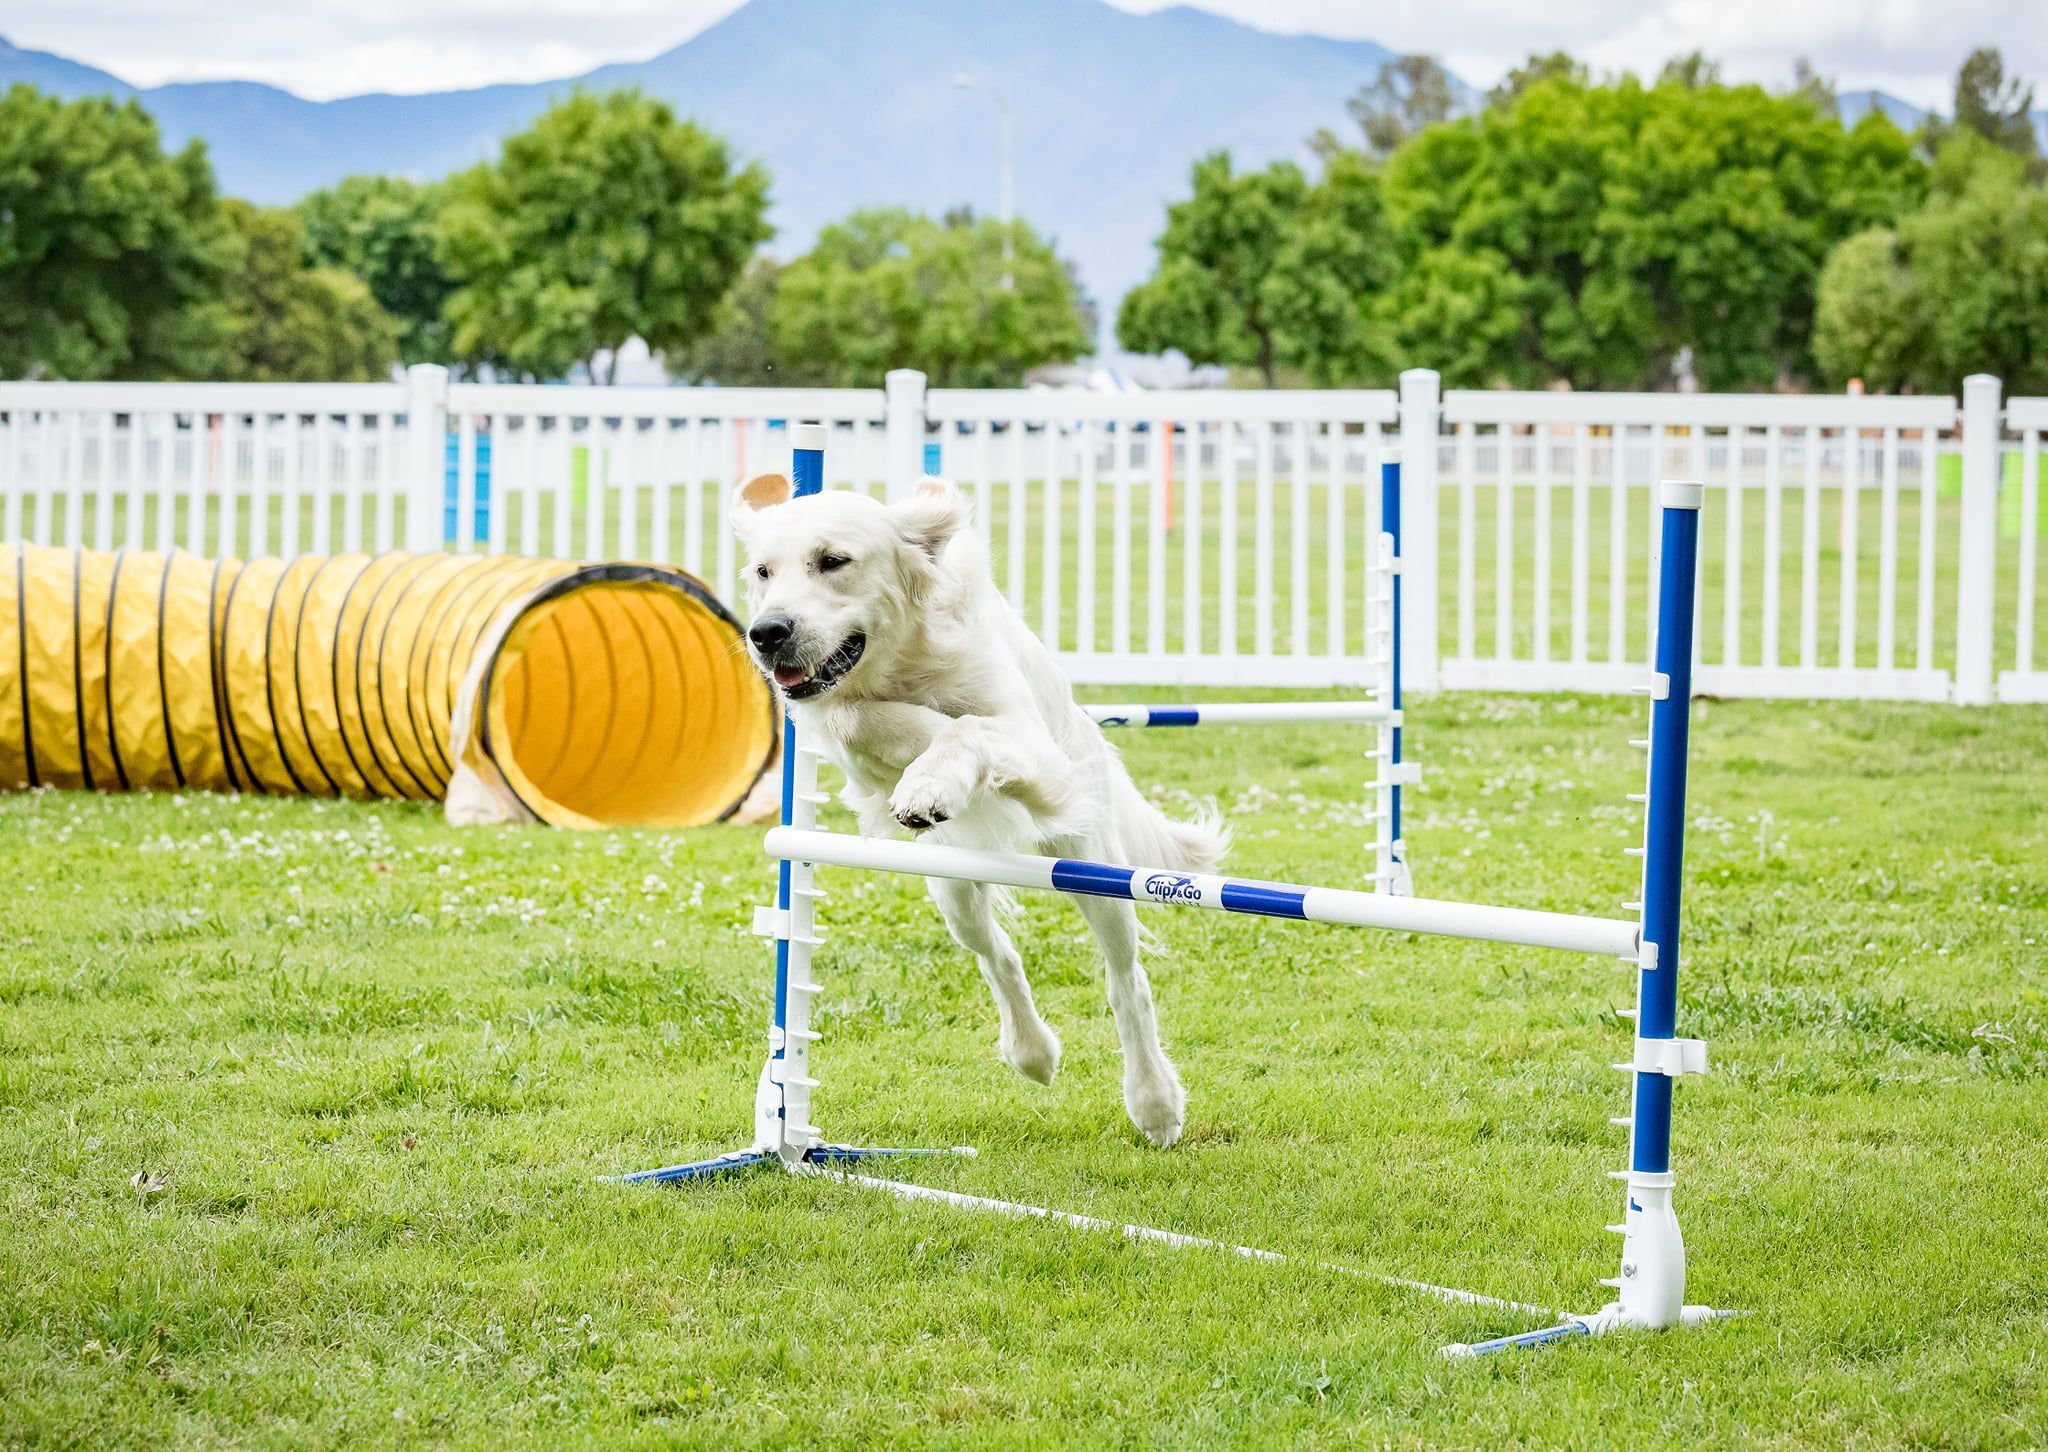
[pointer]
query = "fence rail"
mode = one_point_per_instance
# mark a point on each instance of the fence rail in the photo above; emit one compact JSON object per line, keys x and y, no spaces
{"x":1854,"y":547}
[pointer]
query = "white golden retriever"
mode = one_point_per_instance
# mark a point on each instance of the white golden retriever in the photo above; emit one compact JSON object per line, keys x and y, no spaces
{"x":882,"y":628}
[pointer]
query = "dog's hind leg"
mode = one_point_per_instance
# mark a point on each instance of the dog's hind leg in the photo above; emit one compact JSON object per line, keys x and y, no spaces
{"x":1152,"y":1093}
{"x":1027,"y":1044}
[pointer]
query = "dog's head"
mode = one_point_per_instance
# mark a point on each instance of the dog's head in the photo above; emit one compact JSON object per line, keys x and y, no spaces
{"x":834,"y":579}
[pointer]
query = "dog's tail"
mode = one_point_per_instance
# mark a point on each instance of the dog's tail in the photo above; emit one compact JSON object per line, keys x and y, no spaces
{"x":1153,"y":839}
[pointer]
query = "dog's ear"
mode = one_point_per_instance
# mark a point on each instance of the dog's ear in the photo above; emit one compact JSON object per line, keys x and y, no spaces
{"x":932,"y":516}
{"x":763,"y":491}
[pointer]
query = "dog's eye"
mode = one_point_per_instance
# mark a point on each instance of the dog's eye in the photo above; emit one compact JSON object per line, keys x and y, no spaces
{"x":828,"y":563}
{"x":762,"y":572}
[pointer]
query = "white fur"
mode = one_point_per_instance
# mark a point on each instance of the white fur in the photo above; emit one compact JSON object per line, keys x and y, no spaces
{"x":956,"y":722}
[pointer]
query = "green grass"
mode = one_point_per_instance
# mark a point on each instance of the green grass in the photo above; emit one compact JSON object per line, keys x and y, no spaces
{"x":380,"y":1065}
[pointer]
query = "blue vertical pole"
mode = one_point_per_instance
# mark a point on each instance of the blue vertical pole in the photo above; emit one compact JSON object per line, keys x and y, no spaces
{"x":1390,"y":522}
{"x":934,"y":456}
{"x":1664,"y":835}
{"x":807,"y":474}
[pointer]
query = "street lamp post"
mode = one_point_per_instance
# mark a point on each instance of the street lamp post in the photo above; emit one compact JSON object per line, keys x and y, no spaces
{"x":965,"y":82}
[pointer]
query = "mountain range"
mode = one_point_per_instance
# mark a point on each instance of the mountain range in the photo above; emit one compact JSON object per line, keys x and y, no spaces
{"x":852,"y":105}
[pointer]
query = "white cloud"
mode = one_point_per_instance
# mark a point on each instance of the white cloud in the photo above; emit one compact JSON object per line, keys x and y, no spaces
{"x":326,"y":48}
{"x":1908,"y":47}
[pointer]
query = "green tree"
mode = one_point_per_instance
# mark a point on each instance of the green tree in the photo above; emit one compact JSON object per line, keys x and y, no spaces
{"x":1557,"y":66}
{"x":1411,"y":92}
{"x":608,"y":219}
{"x":739,"y":351}
{"x":1995,"y":107}
{"x":291,"y":323}
{"x":1961,"y":287}
{"x":112,"y":254}
{"x":1817,"y":90}
{"x":1267,"y":270}
{"x":894,"y":289}
{"x":1865,"y":317}
{"x":1625,"y":223}
{"x":1693,"y":72}
{"x":381,"y":229}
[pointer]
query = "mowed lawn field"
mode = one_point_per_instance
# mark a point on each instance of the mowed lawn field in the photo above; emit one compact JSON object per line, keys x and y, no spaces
{"x":305,"y":1110}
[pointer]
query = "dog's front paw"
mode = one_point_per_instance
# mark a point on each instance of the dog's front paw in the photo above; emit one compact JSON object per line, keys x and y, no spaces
{"x":926,"y":796}
{"x":1155,"y":1101}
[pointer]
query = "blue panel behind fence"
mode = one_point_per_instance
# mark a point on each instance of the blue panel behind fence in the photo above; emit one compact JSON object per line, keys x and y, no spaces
{"x":451,"y":491}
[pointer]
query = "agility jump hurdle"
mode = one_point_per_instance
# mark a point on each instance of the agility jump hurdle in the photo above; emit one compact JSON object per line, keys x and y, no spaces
{"x":1650,"y":1289}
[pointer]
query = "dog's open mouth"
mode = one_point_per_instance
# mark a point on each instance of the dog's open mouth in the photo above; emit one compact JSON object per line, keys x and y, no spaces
{"x":800,"y":685}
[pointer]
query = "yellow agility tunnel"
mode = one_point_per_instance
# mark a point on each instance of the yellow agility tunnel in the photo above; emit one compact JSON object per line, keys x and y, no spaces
{"x":611,"y":694}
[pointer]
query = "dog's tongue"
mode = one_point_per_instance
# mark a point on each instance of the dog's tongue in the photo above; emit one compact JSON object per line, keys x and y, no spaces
{"x":787,"y":676}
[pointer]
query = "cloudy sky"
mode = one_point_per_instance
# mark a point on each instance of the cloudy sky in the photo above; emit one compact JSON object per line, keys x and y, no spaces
{"x":325,"y":48}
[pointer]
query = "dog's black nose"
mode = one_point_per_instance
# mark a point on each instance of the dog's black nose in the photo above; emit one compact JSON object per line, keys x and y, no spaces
{"x":771,"y":632}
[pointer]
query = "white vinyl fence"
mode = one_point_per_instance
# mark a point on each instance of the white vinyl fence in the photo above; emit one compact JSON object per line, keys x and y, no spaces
{"x":1871,"y":548}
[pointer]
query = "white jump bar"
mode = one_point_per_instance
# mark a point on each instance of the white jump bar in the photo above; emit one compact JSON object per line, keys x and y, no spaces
{"x":1239,"y":713}
{"x":1612,"y":938}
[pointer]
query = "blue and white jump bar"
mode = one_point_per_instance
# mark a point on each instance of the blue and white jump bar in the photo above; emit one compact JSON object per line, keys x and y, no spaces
{"x":1164,"y":887}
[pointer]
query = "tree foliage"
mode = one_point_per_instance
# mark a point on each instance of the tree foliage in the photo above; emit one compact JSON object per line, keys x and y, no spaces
{"x":1960,"y":287}
{"x":891,"y":288}
{"x":1556,"y":66}
{"x":1994,"y":106}
{"x":1590,"y":233}
{"x":381,"y":229}
{"x":291,"y":323}
{"x":1411,"y":92}
{"x":112,"y":254}
{"x":1269,"y":270}
{"x":608,"y":219}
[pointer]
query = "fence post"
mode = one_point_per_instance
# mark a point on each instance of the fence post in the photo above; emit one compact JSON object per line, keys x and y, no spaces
{"x":1421,"y":416}
{"x":1977,"y":558}
{"x":426,"y":456}
{"x":904,"y":431}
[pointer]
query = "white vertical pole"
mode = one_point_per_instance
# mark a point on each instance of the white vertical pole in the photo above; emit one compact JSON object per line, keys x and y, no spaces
{"x":1123,"y":464}
{"x":10,"y":467}
{"x":288,"y":546}
{"x":1085,"y":542}
{"x":426,"y":412}
{"x":1468,"y":544}
{"x":1852,"y":545}
{"x":1262,"y":543}
{"x":1923,"y":640}
{"x":1335,"y":585}
{"x":1731,"y":562}
{"x":2030,"y":549}
{"x":1155,"y":537}
{"x":465,"y":540}
{"x":1421,"y":416}
{"x":1297,"y":539}
{"x":1888,"y":555}
{"x":1617,"y":544}
{"x":1540,"y":587}
{"x":133,"y":530}
{"x":1504,"y":544}
{"x":1978,"y":559}
{"x":1582,"y":465}
{"x":904,"y":431}
{"x":1226,"y":541}
{"x":1052,"y":590}
{"x":1192,"y":531}
{"x":1809,"y":552}
{"x":1774,"y":541}
{"x":1019,"y":501}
